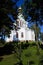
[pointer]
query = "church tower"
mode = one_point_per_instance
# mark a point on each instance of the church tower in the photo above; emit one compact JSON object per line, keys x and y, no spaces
{"x":20,"y":19}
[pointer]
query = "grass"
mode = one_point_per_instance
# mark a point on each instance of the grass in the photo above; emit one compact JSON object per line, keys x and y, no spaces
{"x":28,"y":55}
{"x":9,"y":60}
{"x":32,"y":56}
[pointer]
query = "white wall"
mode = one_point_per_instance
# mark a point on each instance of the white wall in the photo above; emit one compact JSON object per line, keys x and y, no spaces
{"x":8,"y":39}
{"x":28,"y":34}
{"x":33,"y":35}
{"x":19,"y":32}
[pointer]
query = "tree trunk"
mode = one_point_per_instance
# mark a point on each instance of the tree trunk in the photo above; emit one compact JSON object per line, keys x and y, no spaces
{"x":38,"y":52}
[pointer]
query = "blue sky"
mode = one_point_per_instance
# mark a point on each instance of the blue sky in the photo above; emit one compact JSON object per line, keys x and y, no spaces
{"x":19,"y":3}
{"x":41,"y":28}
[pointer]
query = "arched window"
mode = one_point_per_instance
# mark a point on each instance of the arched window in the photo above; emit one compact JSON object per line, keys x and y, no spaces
{"x":21,"y":23}
{"x":16,"y":34}
{"x":17,"y":22}
{"x":22,"y":34}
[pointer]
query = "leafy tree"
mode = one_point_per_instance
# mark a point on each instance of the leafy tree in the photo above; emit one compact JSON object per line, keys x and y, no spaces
{"x":41,"y":36}
{"x":33,"y":27}
{"x":34,"y":10}
{"x":5,"y":22}
{"x":32,"y":7}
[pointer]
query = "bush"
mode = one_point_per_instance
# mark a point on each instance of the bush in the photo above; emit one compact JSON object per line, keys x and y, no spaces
{"x":41,"y":62}
{"x":28,"y":54}
{"x":32,"y":43}
{"x":24,"y":46}
{"x":31,"y":62}
{"x":2,"y":42}
{"x":19,"y":63}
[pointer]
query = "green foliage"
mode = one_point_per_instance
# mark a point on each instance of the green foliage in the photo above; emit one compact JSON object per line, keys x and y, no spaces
{"x":2,"y":43}
{"x":5,"y":22}
{"x":36,"y":30}
{"x":41,"y":60}
{"x":41,"y":37}
{"x":31,"y":62}
{"x":28,"y":56}
{"x":32,"y":9}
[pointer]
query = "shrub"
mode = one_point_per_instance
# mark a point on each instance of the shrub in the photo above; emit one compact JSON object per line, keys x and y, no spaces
{"x":28,"y":54}
{"x":30,"y":62}
{"x":41,"y":62}
{"x":32,"y":43}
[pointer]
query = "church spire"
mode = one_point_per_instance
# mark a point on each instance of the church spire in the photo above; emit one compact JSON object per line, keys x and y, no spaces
{"x":20,"y":18}
{"x":19,"y":10}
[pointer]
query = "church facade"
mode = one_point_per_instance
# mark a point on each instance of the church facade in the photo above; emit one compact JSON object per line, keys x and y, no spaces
{"x":21,"y":31}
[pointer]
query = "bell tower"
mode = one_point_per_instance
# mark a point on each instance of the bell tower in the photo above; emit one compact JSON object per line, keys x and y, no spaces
{"x":19,"y":10}
{"x":20,"y":19}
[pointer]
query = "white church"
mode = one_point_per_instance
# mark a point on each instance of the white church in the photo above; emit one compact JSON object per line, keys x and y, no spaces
{"x":21,"y":31}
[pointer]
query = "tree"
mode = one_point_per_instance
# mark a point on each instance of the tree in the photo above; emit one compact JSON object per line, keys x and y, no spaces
{"x":34,"y":10}
{"x":41,"y":36}
{"x":18,"y":50}
{"x":33,"y":27}
{"x":33,"y":7}
{"x":5,"y":22}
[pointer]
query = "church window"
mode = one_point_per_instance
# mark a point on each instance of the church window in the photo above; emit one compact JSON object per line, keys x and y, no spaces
{"x":16,"y":34}
{"x":17,"y":22}
{"x":22,"y":34}
{"x":20,"y":23}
